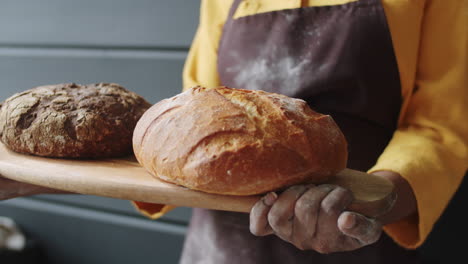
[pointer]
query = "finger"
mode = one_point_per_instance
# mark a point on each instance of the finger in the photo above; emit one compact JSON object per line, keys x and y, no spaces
{"x":11,"y":189}
{"x":336,"y":201}
{"x":330,"y":208}
{"x":26,"y":189}
{"x":281,"y":215}
{"x":259,"y":225}
{"x":365,"y":230}
{"x":45,"y":190}
{"x":306,"y":212}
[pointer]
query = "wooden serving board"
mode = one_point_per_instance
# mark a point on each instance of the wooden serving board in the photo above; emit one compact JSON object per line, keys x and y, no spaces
{"x":126,"y":179}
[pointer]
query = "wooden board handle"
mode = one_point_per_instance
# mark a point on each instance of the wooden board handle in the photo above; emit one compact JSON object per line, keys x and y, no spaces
{"x":373,"y":195}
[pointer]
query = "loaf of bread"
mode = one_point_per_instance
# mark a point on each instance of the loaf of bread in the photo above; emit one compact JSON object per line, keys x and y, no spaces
{"x":71,"y":120}
{"x":239,"y":142}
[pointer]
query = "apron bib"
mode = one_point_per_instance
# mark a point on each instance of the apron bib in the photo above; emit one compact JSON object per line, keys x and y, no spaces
{"x":340,"y":60}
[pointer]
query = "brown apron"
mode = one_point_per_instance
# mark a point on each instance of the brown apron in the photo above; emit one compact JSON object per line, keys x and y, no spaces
{"x":339,"y":59}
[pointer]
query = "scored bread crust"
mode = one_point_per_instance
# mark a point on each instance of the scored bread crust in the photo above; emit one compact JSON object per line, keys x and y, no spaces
{"x":71,"y":120}
{"x":239,"y":142}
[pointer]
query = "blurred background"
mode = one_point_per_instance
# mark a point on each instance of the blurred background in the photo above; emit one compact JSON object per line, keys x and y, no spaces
{"x":140,"y":44}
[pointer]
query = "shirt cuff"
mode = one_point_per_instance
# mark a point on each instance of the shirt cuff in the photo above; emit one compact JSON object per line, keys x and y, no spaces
{"x":151,"y":210}
{"x":434,"y":174}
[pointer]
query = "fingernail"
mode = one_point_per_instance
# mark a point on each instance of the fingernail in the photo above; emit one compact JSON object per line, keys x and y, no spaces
{"x":270,"y":198}
{"x":327,"y":187}
{"x":350,"y":222}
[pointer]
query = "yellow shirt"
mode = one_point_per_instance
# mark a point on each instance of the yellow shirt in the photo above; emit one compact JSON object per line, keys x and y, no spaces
{"x":430,"y":146}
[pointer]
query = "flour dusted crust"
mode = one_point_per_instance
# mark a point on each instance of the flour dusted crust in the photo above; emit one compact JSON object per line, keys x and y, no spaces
{"x":239,"y":142}
{"x":71,"y":120}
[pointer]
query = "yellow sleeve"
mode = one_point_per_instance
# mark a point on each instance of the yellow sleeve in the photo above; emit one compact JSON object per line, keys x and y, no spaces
{"x":200,"y":66}
{"x":199,"y":69}
{"x":429,"y":149}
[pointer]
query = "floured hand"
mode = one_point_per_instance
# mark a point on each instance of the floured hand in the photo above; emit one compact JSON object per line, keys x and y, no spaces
{"x":314,"y":217}
{"x":11,"y":189}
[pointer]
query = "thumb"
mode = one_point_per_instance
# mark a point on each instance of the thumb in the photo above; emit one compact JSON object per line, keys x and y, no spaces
{"x":365,"y":230}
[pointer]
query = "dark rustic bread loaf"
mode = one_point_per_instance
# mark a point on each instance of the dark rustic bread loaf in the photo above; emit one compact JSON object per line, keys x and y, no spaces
{"x":240,"y":142}
{"x":71,"y":120}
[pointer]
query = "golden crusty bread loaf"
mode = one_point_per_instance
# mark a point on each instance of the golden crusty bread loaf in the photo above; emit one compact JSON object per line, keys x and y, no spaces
{"x":240,"y":142}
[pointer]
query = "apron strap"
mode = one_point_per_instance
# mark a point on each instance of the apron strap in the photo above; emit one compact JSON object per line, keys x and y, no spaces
{"x":233,"y":9}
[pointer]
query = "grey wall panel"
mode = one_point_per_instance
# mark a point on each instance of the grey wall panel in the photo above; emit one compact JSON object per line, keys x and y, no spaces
{"x":154,"y":75}
{"x":75,"y":236}
{"x":179,"y":215}
{"x":136,"y":23}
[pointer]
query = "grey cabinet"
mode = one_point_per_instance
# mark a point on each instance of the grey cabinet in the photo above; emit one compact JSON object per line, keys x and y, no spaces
{"x":140,"y":44}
